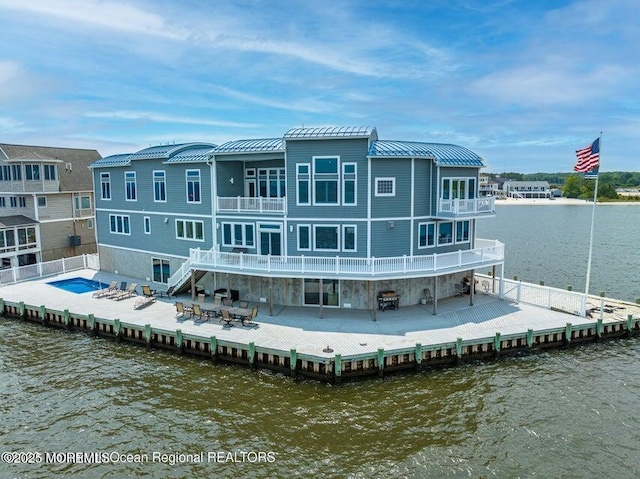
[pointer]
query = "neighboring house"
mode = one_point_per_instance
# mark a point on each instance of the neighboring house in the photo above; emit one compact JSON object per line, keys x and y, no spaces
{"x":46,"y":203}
{"x":327,"y":216}
{"x":488,"y":187}
{"x":526,"y":189}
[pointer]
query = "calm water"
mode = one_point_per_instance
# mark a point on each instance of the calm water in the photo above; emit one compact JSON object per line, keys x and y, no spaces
{"x":569,"y":413}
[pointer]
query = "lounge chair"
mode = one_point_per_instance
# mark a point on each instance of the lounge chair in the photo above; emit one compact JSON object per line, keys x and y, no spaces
{"x":147,"y":291}
{"x":181,"y":309}
{"x":103,"y":292}
{"x":130,"y":291}
{"x":143,"y":302}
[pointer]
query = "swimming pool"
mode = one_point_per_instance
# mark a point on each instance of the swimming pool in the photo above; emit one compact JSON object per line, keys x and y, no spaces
{"x":78,"y":285}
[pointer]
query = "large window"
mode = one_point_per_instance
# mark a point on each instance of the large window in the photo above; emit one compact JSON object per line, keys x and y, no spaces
{"x":190,"y":230}
{"x":385,"y":187}
{"x":119,"y":224}
{"x":193,"y":186}
{"x":348,"y":238}
{"x":26,"y":239}
{"x":7,"y":240}
{"x":458,"y":188}
{"x":5,"y":173}
{"x":82,"y":202}
{"x":105,"y":186}
{"x":159,"y":186}
{"x":445,"y":233}
{"x":16,"y":172}
{"x":130,"y":185}
{"x":326,"y":238}
{"x":325,"y":181}
{"x":426,"y":235}
{"x":271,"y":182}
{"x":238,"y":234}
{"x":161,"y":270}
{"x":303,"y":178}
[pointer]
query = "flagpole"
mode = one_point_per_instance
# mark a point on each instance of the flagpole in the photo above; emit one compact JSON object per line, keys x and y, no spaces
{"x":593,"y":217}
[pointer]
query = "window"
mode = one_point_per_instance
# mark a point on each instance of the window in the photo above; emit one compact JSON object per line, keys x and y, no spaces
{"x":161,"y":270}
{"x":147,"y":225}
{"x":5,"y":173}
{"x":130,"y":185}
{"x":445,"y":233}
{"x":49,"y":172}
{"x":462,"y":231}
{"x":27,"y":237}
{"x":193,"y":186}
{"x":303,"y":179}
{"x":385,"y":186}
{"x":42,"y":201}
{"x":326,"y":238}
{"x":271,"y":182}
{"x":105,"y":185}
{"x":325,"y":181}
{"x":90,"y":224}
{"x":22,"y":201}
{"x":426,"y":235}
{"x":16,"y":172}
{"x":238,"y":234}
{"x":349,"y":183}
{"x":7,"y":241}
{"x":458,"y":188}
{"x":330,"y":292}
{"x":348,"y":238}
{"x":13,"y":202}
{"x":119,"y":224}
{"x":159,"y":186}
{"x":3,"y":202}
{"x":190,"y":230}
{"x":304,"y":237}
{"x":82,"y":202}
{"x":32,"y":172}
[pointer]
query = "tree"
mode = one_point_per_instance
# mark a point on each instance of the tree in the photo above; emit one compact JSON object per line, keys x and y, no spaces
{"x":572,"y":187}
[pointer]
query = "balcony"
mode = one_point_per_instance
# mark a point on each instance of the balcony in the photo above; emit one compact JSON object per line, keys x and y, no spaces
{"x":457,"y":208}
{"x":244,"y":204}
{"x":489,"y":253}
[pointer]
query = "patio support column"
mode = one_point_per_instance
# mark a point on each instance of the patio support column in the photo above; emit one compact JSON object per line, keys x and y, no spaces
{"x":270,"y":296}
{"x":228,"y":286}
{"x":472,"y":288}
{"x":435,"y":295}
{"x":321,"y":287}
{"x":193,"y":285}
{"x":374,"y":306}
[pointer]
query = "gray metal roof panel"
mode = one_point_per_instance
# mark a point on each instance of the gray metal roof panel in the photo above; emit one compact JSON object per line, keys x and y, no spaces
{"x":166,"y":151}
{"x":251,"y":146}
{"x":192,"y":155}
{"x":442,"y":154}
{"x":113,"y":160}
{"x":330,"y":132}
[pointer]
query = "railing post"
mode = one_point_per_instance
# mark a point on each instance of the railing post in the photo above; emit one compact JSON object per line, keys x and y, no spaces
{"x":337,"y":264}
{"x":238,"y":207}
{"x":518,"y":291}
{"x":302,"y":263}
{"x":435,"y":261}
{"x":269,"y":263}
{"x":404,"y":263}
{"x":459,"y":258}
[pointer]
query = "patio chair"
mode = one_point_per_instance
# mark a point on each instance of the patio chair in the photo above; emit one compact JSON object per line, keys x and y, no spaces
{"x":427,"y":295}
{"x":227,"y":302}
{"x":226,"y":317}
{"x":217,"y":300}
{"x":181,"y":309}
{"x":249,"y":318}
{"x":200,"y":297}
{"x":166,"y":293}
{"x":459,"y":290}
{"x":485,"y":286}
{"x":103,"y":292}
{"x":130,"y":291}
{"x":243,"y":304}
{"x":147,"y":291}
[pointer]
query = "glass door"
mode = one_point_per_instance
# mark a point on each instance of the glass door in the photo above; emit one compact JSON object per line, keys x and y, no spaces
{"x":270,"y":239}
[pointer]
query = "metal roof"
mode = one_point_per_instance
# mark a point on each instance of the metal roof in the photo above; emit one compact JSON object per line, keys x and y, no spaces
{"x":16,"y":220}
{"x":192,"y":155}
{"x":332,"y":132}
{"x":113,"y":160}
{"x":251,"y":146}
{"x":442,"y":154}
{"x":166,"y":151}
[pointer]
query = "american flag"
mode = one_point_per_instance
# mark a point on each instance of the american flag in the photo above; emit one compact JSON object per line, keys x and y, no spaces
{"x":589,"y":157}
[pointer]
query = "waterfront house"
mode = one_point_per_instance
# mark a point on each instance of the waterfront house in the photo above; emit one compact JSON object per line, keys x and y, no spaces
{"x":328,"y":217}
{"x":46,"y":204}
{"x":526,"y":189}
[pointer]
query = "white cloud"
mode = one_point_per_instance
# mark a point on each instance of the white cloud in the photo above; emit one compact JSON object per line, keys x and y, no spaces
{"x":112,"y":15}
{"x":161,"y":118}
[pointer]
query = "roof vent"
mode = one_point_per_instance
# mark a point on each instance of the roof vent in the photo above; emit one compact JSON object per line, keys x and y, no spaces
{"x":68,"y":166}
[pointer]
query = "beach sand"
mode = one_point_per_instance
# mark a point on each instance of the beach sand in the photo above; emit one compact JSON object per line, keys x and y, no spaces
{"x":558,"y":201}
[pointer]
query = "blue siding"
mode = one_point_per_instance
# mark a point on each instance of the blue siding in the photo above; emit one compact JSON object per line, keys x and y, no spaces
{"x":397,"y":206}
{"x":390,"y":241}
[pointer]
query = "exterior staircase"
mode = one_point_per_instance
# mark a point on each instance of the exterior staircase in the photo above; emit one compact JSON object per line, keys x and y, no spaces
{"x":181,"y":279}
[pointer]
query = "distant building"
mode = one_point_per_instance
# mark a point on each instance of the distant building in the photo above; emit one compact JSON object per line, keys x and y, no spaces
{"x":46,"y":203}
{"x":526,"y":189}
{"x":487,"y":186}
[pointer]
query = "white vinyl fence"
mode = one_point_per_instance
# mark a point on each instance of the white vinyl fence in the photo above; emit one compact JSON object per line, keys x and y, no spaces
{"x":50,"y":268}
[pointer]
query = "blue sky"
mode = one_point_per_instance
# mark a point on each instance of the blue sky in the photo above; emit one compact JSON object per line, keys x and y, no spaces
{"x":522,"y":83}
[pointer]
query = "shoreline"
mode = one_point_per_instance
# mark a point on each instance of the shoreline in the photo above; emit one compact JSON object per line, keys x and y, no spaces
{"x":559,"y":201}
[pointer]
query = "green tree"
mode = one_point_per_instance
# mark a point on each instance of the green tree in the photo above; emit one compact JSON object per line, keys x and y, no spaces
{"x":572,"y":187}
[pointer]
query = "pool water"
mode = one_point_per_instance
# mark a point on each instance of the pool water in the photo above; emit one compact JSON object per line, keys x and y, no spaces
{"x":78,"y":285}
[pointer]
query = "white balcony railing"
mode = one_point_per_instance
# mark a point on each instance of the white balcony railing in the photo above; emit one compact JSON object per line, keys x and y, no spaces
{"x":246,"y":204}
{"x":491,"y":253}
{"x":462,"y":207}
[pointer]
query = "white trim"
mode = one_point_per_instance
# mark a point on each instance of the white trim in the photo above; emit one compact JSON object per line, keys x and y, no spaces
{"x":355,"y":239}
{"x":453,"y":232}
{"x":310,"y":237}
{"x":161,"y":260}
{"x":135,"y":186}
{"x":355,"y":183}
{"x":380,"y":180}
{"x":157,"y":213}
{"x":435,"y":234}
{"x":146,"y":221}
{"x":194,"y":230}
{"x":135,"y":250}
{"x":338,"y":237}
{"x":455,"y":235}
{"x":107,"y":175}
{"x":337,"y":180}
{"x":186,"y":185}
{"x":153,"y":180}
{"x":243,"y":243}
{"x":123,"y":228}
{"x":308,"y":180}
